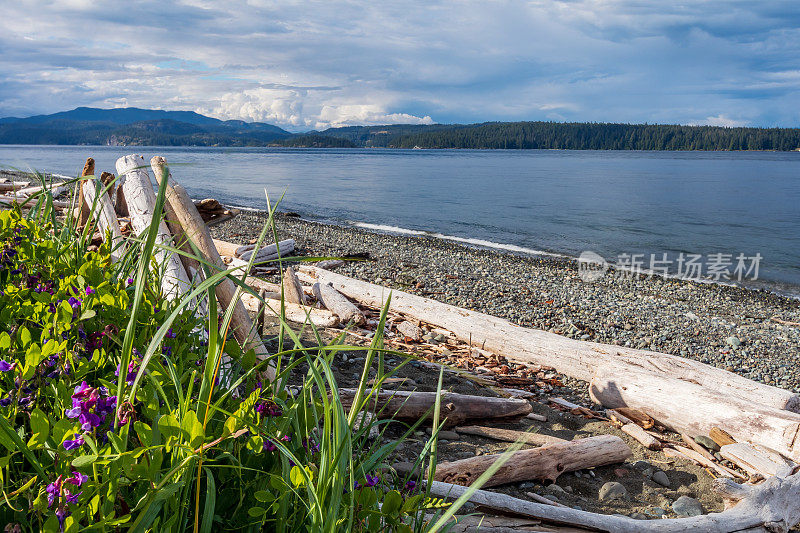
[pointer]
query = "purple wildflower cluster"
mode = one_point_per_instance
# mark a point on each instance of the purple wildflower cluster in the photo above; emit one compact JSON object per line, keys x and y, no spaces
{"x":58,"y":493}
{"x":268,"y":408}
{"x":269,"y":445}
{"x":90,"y":406}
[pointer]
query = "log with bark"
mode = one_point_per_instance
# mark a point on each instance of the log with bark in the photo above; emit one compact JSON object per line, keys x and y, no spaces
{"x":578,"y":359}
{"x":336,"y":302}
{"x":695,"y":410}
{"x":82,"y":211}
{"x":141,"y":200}
{"x":455,"y":408}
{"x":773,"y":506}
{"x":194,"y":228}
{"x":544,"y":464}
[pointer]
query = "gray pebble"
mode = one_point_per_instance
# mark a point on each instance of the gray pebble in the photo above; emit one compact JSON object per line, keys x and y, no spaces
{"x":687,"y":506}
{"x":707,"y":443}
{"x":613,"y":491}
{"x":661,"y":478}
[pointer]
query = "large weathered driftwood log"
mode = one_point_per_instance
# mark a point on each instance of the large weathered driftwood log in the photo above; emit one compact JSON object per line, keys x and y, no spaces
{"x":82,"y":212}
{"x":141,"y":201}
{"x":104,"y":215}
{"x":509,"y":435}
{"x":455,"y":408}
{"x":336,"y":302}
{"x":666,"y":399}
{"x":545,"y":463}
{"x":196,"y":230}
{"x":579,"y":359}
{"x":773,"y":506}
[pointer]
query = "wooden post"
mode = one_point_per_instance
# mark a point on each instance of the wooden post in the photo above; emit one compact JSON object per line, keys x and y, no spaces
{"x":83,"y":209}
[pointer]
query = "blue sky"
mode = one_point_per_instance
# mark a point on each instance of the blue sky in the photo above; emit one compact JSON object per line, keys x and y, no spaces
{"x":306,"y":65}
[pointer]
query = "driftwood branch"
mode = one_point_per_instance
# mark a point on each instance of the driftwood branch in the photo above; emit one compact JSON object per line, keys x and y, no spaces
{"x":455,"y":408}
{"x":545,"y":463}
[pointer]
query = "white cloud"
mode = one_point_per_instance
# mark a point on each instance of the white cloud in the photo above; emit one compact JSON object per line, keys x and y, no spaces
{"x":720,"y":120}
{"x":313,"y":64}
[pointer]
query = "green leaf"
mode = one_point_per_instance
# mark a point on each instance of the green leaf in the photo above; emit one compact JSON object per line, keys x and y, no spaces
{"x":264,"y":496}
{"x":24,"y":337}
{"x":392,"y":502}
{"x":5,"y":341}
{"x":193,"y":429}
{"x":144,"y":432}
{"x":40,"y":429}
{"x":84,"y":460}
{"x":296,"y":476}
{"x":210,"y":504}
{"x":256,"y":511}
{"x":86,"y":315}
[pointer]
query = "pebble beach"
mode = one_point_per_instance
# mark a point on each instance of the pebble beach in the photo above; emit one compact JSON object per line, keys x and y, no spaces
{"x":735,"y":328}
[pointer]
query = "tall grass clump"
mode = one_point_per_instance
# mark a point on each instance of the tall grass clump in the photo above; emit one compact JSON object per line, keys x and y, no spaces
{"x":115,"y":414}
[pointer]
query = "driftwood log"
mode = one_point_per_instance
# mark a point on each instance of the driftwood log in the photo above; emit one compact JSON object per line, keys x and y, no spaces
{"x":196,"y":230}
{"x":294,"y":313}
{"x":455,"y":408}
{"x":336,"y":302}
{"x":668,"y":400}
{"x":141,"y":200}
{"x":104,"y":215}
{"x":292,"y":290}
{"x":756,"y":461}
{"x":578,"y":359}
{"x":509,"y":435}
{"x":545,"y":463}
{"x":773,"y":506}
{"x":82,"y":212}
{"x":641,"y":435}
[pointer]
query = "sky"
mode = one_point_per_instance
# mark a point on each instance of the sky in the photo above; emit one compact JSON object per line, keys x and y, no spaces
{"x":312,"y":65}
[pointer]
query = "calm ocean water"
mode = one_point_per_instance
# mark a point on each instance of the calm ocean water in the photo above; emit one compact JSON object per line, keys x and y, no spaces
{"x":567,"y":202}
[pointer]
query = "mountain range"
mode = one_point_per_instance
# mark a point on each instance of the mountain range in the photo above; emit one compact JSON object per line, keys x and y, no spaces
{"x":133,"y":126}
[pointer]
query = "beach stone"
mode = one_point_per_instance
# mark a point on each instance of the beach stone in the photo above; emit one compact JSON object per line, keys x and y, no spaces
{"x":555,"y":489}
{"x":448,"y":435}
{"x":661,"y":478}
{"x":641,"y":465}
{"x":656,"y":511}
{"x":612,"y":491}
{"x":687,"y":506}
{"x":707,"y":443}
{"x":733,"y":341}
{"x":638,"y":516}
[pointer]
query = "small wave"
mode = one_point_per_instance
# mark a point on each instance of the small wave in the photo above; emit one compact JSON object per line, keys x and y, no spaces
{"x":466,"y":240}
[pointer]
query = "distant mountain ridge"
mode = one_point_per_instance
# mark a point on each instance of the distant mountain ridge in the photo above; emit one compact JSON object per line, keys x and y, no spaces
{"x":132,"y":126}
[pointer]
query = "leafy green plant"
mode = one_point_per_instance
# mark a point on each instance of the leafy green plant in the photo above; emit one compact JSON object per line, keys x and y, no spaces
{"x":113,"y":415}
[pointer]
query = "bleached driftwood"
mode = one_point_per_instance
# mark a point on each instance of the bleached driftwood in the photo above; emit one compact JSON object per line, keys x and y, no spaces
{"x":455,"y":408}
{"x":194,"y":228}
{"x":773,"y":506}
{"x":545,"y":463}
{"x":294,"y":313}
{"x":666,"y":399}
{"x":642,"y":436}
{"x":292,"y":290}
{"x":336,"y":302}
{"x":82,"y":212}
{"x":228,"y":248}
{"x":691,"y":443}
{"x":578,"y":359}
{"x":509,"y":435}
{"x":13,"y":185}
{"x":270,"y":251}
{"x":104,"y":215}
{"x":755,"y":461}
{"x":141,"y":200}
{"x":692,"y":455}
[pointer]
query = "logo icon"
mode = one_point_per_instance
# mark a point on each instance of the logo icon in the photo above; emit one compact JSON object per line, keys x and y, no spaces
{"x":591,"y":266}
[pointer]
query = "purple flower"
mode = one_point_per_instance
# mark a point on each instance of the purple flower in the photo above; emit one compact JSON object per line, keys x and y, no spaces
{"x":5,"y":401}
{"x":5,"y":366}
{"x":89,"y":291}
{"x":410,"y":486}
{"x":53,"y":491}
{"x":371,"y":480}
{"x":71,"y":498}
{"x":74,"y":302}
{"x":170,"y":334}
{"x":286,"y":438}
{"x":62,"y":513}
{"x":166,"y":350}
{"x":74,"y":444}
{"x":77,"y":478}
{"x":130,"y":281}
{"x":269,"y":446}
